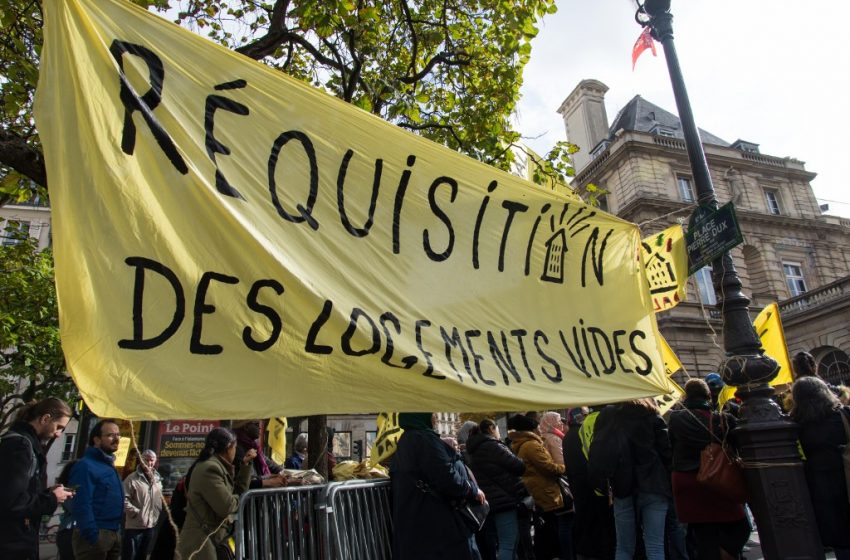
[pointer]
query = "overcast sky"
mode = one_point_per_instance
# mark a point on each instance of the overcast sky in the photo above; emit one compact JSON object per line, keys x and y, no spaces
{"x":775,"y":73}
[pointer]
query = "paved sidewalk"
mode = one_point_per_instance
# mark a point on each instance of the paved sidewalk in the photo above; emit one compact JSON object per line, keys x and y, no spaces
{"x":753,"y":549}
{"x":48,"y":551}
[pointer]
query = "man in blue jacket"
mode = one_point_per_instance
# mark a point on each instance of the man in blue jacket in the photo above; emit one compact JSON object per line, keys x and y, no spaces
{"x":98,"y":505}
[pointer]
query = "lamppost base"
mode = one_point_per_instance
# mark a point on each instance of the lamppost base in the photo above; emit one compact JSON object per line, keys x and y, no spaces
{"x":779,"y":495}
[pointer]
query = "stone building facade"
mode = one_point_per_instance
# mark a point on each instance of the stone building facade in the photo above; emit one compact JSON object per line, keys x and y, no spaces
{"x":792,"y":253}
{"x":31,"y":217}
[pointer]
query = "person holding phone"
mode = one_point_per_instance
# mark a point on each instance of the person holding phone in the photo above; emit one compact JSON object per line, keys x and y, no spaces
{"x":24,"y":495}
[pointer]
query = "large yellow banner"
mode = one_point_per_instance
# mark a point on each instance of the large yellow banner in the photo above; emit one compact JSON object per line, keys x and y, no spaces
{"x":232,"y":243}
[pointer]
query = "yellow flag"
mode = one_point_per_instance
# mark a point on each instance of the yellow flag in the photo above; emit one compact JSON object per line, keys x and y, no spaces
{"x":126,"y":441}
{"x":666,"y":262}
{"x":277,"y":439}
{"x":232,"y":243}
{"x":671,"y":361}
{"x":386,"y":439}
{"x":768,"y":326}
{"x":671,"y":366}
{"x":666,"y":402}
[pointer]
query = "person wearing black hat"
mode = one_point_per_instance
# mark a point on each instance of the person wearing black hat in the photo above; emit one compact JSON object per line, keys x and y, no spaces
{"x":428,"y":479}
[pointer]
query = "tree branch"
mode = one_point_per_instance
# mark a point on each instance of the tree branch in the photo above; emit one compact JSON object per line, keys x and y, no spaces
{"x":447,"y":58}
{"x":414,"y":40}
{"x":16,"y":153}
{"x":450,"y":128}
{"x":278,"y":35}
{"x":356,"y":66}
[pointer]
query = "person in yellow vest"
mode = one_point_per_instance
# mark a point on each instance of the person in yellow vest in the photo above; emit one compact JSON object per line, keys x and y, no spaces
{"x":594,"y":518}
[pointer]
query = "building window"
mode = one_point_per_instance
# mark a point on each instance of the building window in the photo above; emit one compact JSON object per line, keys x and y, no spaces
{"x":706,"y":288}
{"x":686,"y":189}
{"x":835,"y":367}
{"x":663,"y":131}
{"x":603,"y":203}
{"x":14,"y":231}
{"x":772,"y":197}
{"x":794,"y":278}
{"x":68,"y":450}
{"x":599,"y":149}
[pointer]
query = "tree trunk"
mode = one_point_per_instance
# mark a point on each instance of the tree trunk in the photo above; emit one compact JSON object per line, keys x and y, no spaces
{"x":317,"y":444}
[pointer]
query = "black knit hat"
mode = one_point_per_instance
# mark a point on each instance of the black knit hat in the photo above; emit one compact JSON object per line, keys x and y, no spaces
{"x":521,"y":423}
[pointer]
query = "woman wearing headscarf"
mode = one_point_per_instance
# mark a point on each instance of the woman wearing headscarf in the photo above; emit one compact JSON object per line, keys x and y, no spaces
{"x":213,"y":489}
{"x":822,"y":436}
{"x":551,"y":429}
{"x":715,"y":523}
{"x":553,"y":539}
{"x":428,"y":480}
{"x":497,"y":471}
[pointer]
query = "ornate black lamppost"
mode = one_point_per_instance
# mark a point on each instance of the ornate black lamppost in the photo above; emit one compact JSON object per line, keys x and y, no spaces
{"x":779,"y":497}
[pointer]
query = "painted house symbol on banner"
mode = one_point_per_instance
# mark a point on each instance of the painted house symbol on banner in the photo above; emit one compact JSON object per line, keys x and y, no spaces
{"x":661,"y":276}
{"x":554,"y":265}
{"x":556,"y":250}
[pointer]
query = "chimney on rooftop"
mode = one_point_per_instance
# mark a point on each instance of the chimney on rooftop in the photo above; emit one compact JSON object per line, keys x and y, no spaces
{"x":585,"y":119}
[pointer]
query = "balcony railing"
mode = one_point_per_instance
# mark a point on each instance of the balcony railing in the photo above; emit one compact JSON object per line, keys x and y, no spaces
{"x":669,"y":142}
{"x":767,"y":160}
{"x":815,"y":298}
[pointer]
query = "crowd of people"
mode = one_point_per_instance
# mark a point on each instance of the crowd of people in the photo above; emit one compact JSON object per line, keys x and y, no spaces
{"x":105,"y":518}
{"x":633,"y":487}
{"x":618,"y":482}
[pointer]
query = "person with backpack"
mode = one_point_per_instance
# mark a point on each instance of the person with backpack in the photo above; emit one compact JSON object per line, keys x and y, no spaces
{"x":24,"y":495}
{"x":631,"y":453}
{"x":593,"y":527}
{"x":166,"y":537}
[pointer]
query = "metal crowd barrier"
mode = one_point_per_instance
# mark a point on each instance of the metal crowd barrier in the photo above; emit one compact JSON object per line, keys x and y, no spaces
{"x":360,"y":520}
{"x":349,"y":520}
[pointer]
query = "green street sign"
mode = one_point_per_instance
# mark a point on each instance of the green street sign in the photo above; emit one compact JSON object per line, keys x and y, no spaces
{"x":710,"y":234}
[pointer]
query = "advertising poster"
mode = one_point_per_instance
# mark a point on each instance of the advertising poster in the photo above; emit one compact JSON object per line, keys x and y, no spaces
{"x":178,"y":444}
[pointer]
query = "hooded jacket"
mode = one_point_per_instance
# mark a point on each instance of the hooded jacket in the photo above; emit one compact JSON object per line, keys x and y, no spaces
{"x":497,"y":471}
{"x":23,"y":498}
{"x":541,"y":472}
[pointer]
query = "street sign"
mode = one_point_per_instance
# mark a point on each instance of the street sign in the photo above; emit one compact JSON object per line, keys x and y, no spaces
{"x":710,"y":234}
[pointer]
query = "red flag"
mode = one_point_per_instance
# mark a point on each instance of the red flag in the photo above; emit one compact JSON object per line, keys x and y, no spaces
{"x":644,"y":41}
